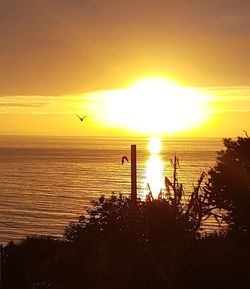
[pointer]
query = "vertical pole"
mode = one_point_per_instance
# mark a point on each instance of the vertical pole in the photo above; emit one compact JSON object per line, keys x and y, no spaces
{"x":133,"y":174}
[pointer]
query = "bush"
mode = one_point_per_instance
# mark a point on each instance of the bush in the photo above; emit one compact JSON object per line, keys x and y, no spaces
{"x":171,"y":214}
{"x":33,"y":263}
{"x":156,"y":232}
{"x":228,"y":187}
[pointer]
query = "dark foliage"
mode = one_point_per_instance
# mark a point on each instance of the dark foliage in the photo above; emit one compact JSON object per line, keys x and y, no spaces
{"x":217,"y":261}
{"x":143,"y":243}
{"x":151,"y":244}
{"x":115,"y":217}
{"x":117,"y":244}
{"x":33,"y":263}
{"x":46,"y":263}
{"x":171,"y":216}
{"x":212,"y":262}
{"x":228,"y":187}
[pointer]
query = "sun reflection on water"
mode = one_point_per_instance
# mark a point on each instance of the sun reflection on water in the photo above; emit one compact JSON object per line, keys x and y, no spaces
{"x":155,"y":167}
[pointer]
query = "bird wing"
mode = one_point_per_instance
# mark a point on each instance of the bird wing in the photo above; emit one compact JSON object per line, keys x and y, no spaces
{"x":245,"y":133}
{"x":123,"y":159}
{"x":81,"y":118}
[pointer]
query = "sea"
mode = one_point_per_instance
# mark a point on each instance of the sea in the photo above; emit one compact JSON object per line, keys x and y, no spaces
{"x":48,"y":182}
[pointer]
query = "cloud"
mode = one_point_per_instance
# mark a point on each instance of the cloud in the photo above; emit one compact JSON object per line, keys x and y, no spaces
{"x":34,"y":104}
{"x":13,"y":104}
{"x":222,"y":99}
{"x":230,"y":99}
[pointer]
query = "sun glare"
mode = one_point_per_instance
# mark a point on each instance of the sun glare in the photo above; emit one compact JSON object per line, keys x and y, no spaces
{"x":154,"y":167}
{"x":154,"y":145}
{"x":156,"y":106}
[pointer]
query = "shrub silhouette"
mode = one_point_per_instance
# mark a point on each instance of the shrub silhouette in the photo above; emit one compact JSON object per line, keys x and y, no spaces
{"x":228,"y":187}
{"x":119,"y":244}
{"x":33,"y":263}
{"x":170,"y":212}
{"x":157,"y":231}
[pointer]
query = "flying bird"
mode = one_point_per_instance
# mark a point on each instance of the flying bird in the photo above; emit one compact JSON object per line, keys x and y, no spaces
{"x":245,"y":133}
{"x":81,"y":118}
{"x":124,"y":159}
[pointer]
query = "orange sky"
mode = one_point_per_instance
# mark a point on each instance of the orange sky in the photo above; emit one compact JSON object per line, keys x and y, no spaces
{"x":56,"y":54}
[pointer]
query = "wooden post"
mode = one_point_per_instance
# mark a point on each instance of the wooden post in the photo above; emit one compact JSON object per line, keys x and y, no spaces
{"x":133,"y":175}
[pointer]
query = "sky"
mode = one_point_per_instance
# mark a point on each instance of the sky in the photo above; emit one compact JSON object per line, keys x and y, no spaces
{"x":57,"y":57}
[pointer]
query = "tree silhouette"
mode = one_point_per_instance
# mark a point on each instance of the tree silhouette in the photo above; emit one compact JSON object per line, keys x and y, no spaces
{"x":172,"y":213}
{"x":228,"y":187}
{"x":157,"y":232}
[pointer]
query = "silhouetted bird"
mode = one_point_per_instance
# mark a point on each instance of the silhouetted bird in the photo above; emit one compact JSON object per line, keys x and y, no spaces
{"x":81,"y":118}
{"x":245,"y":133}
{"x":124,"y":159}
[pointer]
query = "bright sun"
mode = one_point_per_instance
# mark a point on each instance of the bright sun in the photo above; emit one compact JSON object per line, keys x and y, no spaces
{"x":156,"y":106}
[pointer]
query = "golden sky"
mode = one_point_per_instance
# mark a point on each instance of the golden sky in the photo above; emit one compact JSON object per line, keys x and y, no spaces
{"x":58,"y":57}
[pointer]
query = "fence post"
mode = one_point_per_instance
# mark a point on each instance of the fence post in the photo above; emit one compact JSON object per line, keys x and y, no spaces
{"x":133,"y":175}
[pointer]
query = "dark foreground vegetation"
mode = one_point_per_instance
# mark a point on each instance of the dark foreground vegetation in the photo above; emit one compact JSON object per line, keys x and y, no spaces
{"x":158,"y":243}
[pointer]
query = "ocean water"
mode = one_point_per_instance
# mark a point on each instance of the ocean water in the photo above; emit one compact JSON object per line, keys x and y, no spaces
{"x":47,"y":182}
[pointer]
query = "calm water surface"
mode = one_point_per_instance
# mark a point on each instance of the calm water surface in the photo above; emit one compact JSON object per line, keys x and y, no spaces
{"x":46,"y":182}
